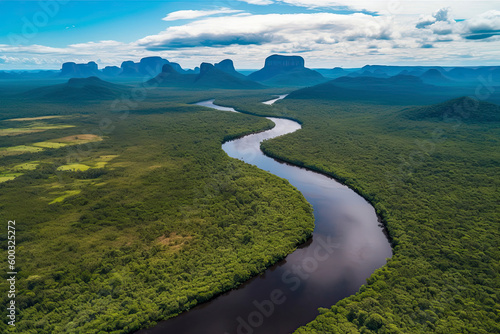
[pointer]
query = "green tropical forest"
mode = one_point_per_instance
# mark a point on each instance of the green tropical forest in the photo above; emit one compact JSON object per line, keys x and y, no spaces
{"x":249,"y":167}
{"x":114,"y":235}
{"x":126,"y":216}
{"x":433,"y":176}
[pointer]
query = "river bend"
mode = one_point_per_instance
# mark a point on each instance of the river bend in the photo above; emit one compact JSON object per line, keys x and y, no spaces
{"x":347,"y":246}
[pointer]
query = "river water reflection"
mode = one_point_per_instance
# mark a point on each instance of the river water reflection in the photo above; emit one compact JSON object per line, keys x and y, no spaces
{"x":348,"y":244}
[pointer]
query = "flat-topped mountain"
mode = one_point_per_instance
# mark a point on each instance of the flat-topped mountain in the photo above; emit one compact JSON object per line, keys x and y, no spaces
{"x":74,"y":70}
{"x":211,"y":76}
{"x":278,"y":61}
{"x":111,"y":71}
{"x":286,"y":71}
{"x":147,"y":67}
{"x":465,"y":109}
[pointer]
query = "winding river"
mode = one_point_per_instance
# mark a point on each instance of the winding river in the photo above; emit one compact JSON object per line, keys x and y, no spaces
{"x":348,"y":244}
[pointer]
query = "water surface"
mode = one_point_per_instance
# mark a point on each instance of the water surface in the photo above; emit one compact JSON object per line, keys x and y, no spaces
{"x":348,"y":244}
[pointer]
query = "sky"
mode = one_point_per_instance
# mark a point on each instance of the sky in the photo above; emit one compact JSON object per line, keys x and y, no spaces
{"x":327,"y":33}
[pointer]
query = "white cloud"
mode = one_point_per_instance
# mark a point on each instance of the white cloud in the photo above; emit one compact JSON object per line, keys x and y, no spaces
{"x":323,"y":38}
{"x":462,"y":8}
{"x":193,"y":14}
{"x":270,"y":29}
{"x":442,"y":15}
{"x":258,"y":2}
{"x":358,"y":5}
{"x":483,"y":26}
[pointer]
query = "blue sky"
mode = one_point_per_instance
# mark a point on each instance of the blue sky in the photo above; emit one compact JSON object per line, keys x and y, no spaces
{"x":327,"y":33}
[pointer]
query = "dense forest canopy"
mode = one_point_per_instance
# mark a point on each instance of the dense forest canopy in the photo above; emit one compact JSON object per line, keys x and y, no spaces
{"x":152,"y":218}
{"x":435,"y":181}
{"x":146,"y":223}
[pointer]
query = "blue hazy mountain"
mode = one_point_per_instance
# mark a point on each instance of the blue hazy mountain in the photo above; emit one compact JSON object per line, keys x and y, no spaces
{"x":111,"y":71}
{"x":278,"y":71}
{"x":399,"y":89}
{"x":450,"y":76}
{"x":336,"y":72}
{"x":169,"y":77}
{"x":281,"y":70}
{"x":436,"y":77}
{"x":147,"y":67}
{"x":214,"y":77}
{"x":210,"y":76}
{"x":463,"y":109}
{"x":78,"y":89}
{"x":75,"y":70}
{"x":227,"y":66}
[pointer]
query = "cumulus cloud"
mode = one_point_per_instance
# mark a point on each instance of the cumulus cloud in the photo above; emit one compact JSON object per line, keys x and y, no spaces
{"x":214,"y":40}
{"x":324,"y":38}
{"x":482,"y":26}
{"x":442,"y":15}
{"x":270,"y":28}
{"x":194,"y":14}
{"x":443,"y":28}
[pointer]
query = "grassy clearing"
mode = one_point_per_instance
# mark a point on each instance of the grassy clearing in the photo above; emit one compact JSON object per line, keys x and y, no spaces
{"x":47,"y":144}
{"x":69,"y":140}
{"x":33,"y":118}
{"x":17,"y":131}
{"x":73,"y":167}
{"x":9,"y":176}
{"x":99,"y":162}
{"x":31,"y":129}
{"x":66,"y":194}
{"x":52,"y":143}
{"x":20,"y":149}
{"x":77,"y":139}
{"x":107,"y":158}
{"x":103,"y":160}
{"x":26,"y":166}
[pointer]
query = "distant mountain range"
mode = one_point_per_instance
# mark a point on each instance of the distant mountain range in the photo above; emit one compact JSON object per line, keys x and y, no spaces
{"x":397,"y":85}
{"x":78,"y":89}
{"x":435,"y":75}
{"x":449,"y":76}
{"x":463,"y":109}
{"x":278,"y":70}
{"x":146,"y":68}
{"x":221,"y":76}
{"x":392,"y":90}
{"x":398,"y":89}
